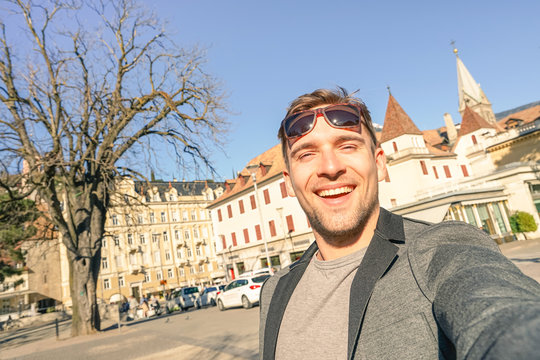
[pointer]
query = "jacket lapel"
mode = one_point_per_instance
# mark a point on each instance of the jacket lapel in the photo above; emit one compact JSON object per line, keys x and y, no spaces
{"x":278,"y":304}
{"x":378,"y":258}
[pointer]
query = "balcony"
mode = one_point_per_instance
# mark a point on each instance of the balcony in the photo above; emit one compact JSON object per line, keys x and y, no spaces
{"x":180,"y":244}
{"x":199,"y":241}
{"x":407,"y":152}
{"x":183,"y":262}
{"x":134,"y":248}
{"x":135,"y":269}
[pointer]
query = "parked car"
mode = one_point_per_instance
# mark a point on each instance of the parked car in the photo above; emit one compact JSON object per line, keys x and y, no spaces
{"x":208,"y":296}
{"x":244,"y":291}
{"x":184,"y":298}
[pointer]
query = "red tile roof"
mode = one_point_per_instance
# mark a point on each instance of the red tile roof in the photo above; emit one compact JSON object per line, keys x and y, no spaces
{"x":397,"y":122}
{"x":471,"y":122}
{"x":527,"y":115}
{"x":270,"y":164}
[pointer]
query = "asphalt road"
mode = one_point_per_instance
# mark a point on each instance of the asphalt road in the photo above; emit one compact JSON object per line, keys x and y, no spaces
{"x":203,"y":334}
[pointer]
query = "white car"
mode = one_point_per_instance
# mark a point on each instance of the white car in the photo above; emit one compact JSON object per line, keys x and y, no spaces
{"x":208,"y":296}
{"x":244,"y":291}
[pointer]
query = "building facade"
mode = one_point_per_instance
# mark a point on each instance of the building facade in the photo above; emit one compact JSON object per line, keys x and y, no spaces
{"x":159,"y":237}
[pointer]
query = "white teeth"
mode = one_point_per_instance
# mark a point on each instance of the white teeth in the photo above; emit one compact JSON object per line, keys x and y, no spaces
{"x":333,"y":192}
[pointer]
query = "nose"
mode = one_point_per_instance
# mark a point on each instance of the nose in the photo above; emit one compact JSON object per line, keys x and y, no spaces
{"x":330,"y":166}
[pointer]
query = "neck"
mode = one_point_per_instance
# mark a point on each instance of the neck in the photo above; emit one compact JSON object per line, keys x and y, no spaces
{"x":328,"y":251}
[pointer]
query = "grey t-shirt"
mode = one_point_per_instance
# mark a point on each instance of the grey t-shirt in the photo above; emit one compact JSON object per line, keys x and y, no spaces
{"x":315,"y":323}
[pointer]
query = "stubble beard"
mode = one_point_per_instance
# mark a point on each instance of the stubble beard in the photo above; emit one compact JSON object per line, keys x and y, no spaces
{"x":343,"y":229}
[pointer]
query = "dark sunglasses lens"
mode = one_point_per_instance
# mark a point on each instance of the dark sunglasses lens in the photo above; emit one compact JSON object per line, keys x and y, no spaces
{"x":298,"y":125}
{"x":343,"y":117}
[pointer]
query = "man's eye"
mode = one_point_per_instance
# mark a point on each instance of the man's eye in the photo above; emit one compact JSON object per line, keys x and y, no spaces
{"x":305,"y":155}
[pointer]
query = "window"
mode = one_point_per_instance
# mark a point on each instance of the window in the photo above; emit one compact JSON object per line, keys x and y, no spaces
{"x":103,"y":242}
{"x":435,"y":172}
{"x":394,"y":145}
{"x":147,"y":277}
{"x":474,"y":141}
{"x":246,"y":236}
{"x":165,"y":236}
{"x":233,"y":237}
{"x":188,"y":250}
{"x":219,"y":215}
{"x":119,"y":261}
{"x":116,"y":240}
{"x":133,"y":259}
{"x":152,"y":218}
{"x":201,"y":268}
{"x":128,"y":219}
{"x":146,"y":258}
{"x":266,"y":196}
{"x":186,"y":234}
{"x":155,"y":237}
{"x":447,"y":171}
{"x":229,"y":211}
{"x":296,"y":255}
{"x":140,"y":219}
{"x":241,"y":268}
{"x":198,"y":250}
{"x":274,"y":260}
{"x":159,"y":275}
{"x":179,"y":253}
{"x":283,"y":189}
{"x":469,"y":212}
{"x":180,"y":271}
{"x":185,"y":215}
{"x":424,"y":167}
{"x":121,"y":281}
{"x":290,"y":223}
{"x":223,"y":241}
{"x":163,"y":217}
{"x":241,"y":206}
{"x":498,"y":217}
{"x":176,"y":235}
{"x":142,"y":239}
{"x":167,"y":255}
{"x":104,"y":263}
{"x":114,"y":219}
{"x":192,"y":270}
{"x":106,"y":283}
{"x":487,"y":223}
{"x":174,"y":216}
{"x":258,"y":232}
{"x":157,"y":257}
{"x":193,"y":215}
{"x":202,"y":214}
{"x":464,"y":170}
{"x":272,"y":226}
{"x":195,"y":233}
{"x":253,"y":202}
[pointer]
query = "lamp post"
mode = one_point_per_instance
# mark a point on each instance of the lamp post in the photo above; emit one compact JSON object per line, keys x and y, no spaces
{"x":252,"y":168}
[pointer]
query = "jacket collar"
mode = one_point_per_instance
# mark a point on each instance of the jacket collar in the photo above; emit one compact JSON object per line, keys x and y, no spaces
{"x":378,"y":258}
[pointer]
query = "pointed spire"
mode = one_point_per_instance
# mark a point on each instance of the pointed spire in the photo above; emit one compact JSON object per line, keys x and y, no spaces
{"x":397,"y":122}
{"x":471,"y":94}
{"x":471,"y":121}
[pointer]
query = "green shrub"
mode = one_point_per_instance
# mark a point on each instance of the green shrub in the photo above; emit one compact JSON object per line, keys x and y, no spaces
{"x":521,"y":222}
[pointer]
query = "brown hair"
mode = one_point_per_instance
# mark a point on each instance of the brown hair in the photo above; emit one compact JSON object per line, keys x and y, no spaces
{"x":325,"y":97}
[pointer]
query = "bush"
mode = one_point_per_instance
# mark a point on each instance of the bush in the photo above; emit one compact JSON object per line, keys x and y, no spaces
{"x":521,"y":222}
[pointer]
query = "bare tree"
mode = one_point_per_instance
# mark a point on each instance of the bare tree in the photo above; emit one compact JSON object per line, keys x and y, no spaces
{"x":77,"y":103}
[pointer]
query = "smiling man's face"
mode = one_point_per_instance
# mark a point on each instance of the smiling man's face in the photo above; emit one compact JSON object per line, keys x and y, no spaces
{"x":334,"y":173}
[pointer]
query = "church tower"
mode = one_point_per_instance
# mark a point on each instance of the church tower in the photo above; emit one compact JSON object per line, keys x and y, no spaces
{"x":471,"y":95}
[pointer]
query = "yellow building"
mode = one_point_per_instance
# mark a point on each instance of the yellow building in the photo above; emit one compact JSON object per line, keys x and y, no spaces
{"x":159,"y":237}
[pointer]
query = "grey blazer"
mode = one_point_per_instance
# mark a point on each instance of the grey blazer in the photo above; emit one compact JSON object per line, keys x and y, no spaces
{"x":425,"y":291}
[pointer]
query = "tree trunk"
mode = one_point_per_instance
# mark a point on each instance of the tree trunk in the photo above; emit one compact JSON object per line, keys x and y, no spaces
{"x":83,"y":273}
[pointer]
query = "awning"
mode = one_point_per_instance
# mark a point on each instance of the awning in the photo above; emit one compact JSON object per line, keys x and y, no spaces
{"x":434,"y":214}
{"x":117,"y":298}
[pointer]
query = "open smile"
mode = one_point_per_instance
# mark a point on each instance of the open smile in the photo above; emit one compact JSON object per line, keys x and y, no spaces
{"x":335,"y":193}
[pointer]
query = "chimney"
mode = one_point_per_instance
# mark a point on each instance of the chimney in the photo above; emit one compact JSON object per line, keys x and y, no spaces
{"x":451,"y":131}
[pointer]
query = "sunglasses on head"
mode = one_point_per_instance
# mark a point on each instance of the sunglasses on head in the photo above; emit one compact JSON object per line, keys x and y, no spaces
{"x":339,"y":116}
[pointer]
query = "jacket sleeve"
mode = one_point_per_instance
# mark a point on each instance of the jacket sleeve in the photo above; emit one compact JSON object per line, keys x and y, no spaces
{"x":482,"y":302}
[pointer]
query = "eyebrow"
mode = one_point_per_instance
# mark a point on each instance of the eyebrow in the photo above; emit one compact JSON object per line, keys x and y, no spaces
{"x":339,"y":139}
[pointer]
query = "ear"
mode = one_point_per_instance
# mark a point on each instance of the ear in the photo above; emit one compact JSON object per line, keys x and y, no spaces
{"x":288,"y":184}
{"x":380,"y":162}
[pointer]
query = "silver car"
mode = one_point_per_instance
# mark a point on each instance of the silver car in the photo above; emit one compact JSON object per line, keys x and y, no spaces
{"x":208,"y":296}
{"x":184,"y":298}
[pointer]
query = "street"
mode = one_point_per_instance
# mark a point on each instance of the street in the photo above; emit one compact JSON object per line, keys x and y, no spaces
{"x":205,"y":334}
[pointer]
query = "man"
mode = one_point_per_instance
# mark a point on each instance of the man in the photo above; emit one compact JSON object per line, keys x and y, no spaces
{"x":375,"y":285}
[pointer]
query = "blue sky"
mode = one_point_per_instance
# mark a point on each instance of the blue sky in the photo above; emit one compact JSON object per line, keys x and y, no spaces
{"x":268,"y":52}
